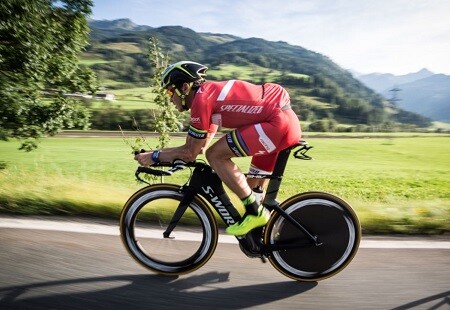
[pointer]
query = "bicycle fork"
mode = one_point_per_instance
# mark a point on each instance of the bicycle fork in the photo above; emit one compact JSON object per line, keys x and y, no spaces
{"x":187,"y":199}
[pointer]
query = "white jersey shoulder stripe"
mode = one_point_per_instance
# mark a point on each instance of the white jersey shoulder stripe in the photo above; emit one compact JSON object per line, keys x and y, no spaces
{"x":225,"y":90}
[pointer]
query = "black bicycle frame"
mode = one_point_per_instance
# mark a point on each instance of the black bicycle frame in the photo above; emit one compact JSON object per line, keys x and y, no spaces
{"x":208,"y":184}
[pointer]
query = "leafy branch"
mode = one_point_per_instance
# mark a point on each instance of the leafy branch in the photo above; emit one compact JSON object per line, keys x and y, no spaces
{"x":167,"y":120}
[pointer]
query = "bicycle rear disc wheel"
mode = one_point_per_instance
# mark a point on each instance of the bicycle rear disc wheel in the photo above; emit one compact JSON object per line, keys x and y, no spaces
{"x":146,"y":216}
{"x":326,"y":216}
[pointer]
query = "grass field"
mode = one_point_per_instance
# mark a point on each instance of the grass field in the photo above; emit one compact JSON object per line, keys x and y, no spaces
{"x":130,"y":99}
{"x":248,"y":73}
{"x":396,"y":184}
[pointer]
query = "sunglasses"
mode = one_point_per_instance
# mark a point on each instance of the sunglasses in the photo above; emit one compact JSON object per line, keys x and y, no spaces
{"x":169,"y":93}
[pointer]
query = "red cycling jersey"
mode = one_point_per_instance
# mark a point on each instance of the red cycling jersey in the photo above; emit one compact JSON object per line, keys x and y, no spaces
{"x":261,"y":114}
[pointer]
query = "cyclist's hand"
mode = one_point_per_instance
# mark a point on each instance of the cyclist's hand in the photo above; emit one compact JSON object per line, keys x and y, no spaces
{"x":144,"y":159}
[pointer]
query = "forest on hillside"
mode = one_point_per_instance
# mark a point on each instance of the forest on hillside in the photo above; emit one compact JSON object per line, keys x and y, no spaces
{"x":324,"y":95}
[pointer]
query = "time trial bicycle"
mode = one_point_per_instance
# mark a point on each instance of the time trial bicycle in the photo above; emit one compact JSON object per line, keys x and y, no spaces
{"x":171,"y":229}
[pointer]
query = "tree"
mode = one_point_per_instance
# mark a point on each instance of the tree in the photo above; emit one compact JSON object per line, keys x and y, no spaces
{"x":323,"y":125}
{"x":40,"y":41}
{"x":167,"y":120}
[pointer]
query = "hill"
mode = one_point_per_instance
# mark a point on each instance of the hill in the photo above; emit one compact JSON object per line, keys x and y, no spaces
{"x":422,"y":92}
{"x":382,"y":82}
{"x":320,"y":89}
{"x":118,"y":24}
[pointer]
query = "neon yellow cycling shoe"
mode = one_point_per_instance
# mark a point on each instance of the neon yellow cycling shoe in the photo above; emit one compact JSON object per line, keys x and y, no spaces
{"x":248,"y":223}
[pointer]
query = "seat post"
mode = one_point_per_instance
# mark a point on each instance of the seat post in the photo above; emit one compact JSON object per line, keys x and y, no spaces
{"x":278,"y":171}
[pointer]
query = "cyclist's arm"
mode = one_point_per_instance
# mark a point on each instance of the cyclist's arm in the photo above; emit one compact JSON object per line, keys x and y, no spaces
{"x":211,"y":133}
{"x":187,"y":152}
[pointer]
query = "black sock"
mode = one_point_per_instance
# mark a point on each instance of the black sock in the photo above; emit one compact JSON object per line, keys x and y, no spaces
{"x":251,"y":206}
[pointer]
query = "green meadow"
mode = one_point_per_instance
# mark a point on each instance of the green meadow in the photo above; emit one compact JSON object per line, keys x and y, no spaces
{"x":135,"y":98}
{"x":249,"y":72}
{"x":396,"y":184}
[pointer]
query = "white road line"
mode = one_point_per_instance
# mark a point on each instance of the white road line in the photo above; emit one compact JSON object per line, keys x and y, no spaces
{"x":113,"y":230}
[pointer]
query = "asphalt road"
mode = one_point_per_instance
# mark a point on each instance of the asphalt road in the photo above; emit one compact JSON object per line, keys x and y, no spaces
{"x":88,"y":268}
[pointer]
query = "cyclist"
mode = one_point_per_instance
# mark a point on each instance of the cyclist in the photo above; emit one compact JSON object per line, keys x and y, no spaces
{"x":263,"y":124}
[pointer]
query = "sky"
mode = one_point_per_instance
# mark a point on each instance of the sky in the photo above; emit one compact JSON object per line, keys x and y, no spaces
{"x":364,"y":36}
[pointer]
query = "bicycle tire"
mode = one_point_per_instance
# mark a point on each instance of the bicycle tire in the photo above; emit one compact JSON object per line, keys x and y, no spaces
{"x":326,"y":216}
{"x":145,"y":217}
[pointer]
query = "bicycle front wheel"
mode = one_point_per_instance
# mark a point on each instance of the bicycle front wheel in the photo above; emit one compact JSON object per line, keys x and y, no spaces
{"x":146,"y":217}
{"x":325,"y":216}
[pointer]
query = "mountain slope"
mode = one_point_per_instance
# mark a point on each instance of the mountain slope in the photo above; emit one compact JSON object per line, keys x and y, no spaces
{"x":422,"y":92}
{"x":383,"y":82}
{"x":319,"y":88}
{"x":117,"y":24}
{"x":429,"y":97}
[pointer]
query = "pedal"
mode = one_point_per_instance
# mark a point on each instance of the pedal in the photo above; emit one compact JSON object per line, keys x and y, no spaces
{"x":248,"y":253}
{"x":250,"y":244}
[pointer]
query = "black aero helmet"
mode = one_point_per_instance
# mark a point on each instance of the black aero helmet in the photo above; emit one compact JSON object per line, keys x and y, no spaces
{"x":183,"y":71}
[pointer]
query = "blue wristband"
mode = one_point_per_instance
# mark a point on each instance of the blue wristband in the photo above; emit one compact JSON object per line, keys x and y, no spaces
{"x":155,"y":156}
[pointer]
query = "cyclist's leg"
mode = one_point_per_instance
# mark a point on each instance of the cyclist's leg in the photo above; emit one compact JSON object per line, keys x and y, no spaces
{"x":219,"y":157}
{"x":255,"y":140}
{"x":266,"y":161}
{"x":288,"y":127}
{"x":247,"y":141}
{"x":262,"y":139}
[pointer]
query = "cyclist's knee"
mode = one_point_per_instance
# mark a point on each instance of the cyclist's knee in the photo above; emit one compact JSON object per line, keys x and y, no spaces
{"x":212,"y":155}
{"x":209,"y":154}
{"x":215,"y":154}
